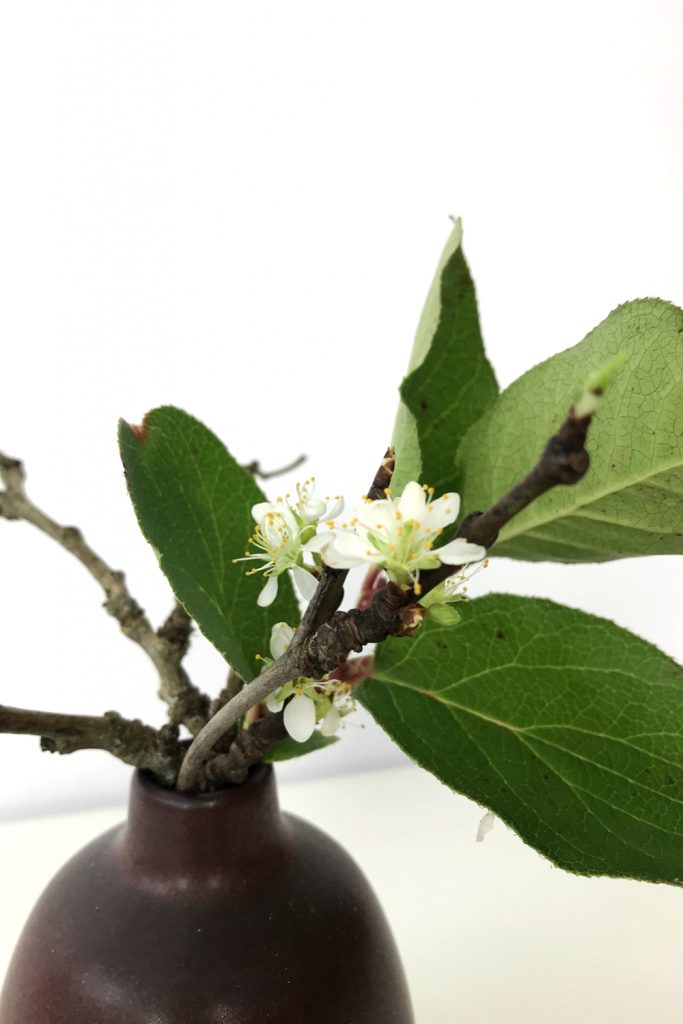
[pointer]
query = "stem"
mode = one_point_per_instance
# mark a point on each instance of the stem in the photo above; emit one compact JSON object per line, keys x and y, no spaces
{"x":255,"y":468}
{"x":321,"y":645}
{"x":272,"y":678}
{"x":130,"y":740}
{"x":165,"y":648}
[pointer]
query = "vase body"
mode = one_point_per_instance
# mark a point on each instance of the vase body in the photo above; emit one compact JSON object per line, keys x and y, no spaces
{"x":210,"y":909}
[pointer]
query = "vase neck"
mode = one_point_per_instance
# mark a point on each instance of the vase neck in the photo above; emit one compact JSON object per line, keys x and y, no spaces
{"x":205,"y":838}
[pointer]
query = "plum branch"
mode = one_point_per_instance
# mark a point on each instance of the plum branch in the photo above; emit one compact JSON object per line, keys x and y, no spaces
{"x":166,"y":647}
{"x":327,"y":636}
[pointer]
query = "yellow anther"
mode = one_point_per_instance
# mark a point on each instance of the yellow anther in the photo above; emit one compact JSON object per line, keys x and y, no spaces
{"x":418,"y":589}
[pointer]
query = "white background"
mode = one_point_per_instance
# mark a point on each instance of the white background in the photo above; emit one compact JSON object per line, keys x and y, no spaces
{"x":237,"y":209}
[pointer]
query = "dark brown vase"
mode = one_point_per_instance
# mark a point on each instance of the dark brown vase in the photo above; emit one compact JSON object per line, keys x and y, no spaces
{"x":213,"y":909}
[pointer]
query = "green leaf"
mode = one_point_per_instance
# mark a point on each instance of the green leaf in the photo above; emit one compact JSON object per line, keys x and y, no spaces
{"x":450,"y":381}
{"x":285,"y":750}
{"x":193,"y":505}
{"x":631,"y":500}
{"x":569,"y":728}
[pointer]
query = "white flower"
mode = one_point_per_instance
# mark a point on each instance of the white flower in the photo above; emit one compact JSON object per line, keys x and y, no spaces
{"x":399,"y":535}
{"x":311,"y":699}
{"x":284,"y":533}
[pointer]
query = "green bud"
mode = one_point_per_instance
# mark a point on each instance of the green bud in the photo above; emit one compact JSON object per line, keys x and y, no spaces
{"x":443,"y":615}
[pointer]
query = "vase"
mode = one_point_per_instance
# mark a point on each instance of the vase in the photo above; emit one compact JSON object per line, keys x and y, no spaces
{"x":207,"y":909}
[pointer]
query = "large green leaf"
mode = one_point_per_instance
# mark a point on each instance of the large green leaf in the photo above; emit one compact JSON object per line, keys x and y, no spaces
{"x":631,"y":500}
{"x":566,"y":726}
{"x":450,"y":381}
{"x":193,"y":504}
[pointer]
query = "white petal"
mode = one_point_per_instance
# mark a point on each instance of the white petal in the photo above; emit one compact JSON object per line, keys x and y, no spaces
{"x":330,"y":722}
{"x":313,"y":510}
{"x":336,"y":509}
{"x":335,"y":560}
{"x":268,"y":594}
{"x":280,"y":639}
{"x":299,"y":717}
{"x":374,"y":515}
{"x":442,"y":512}
{"x":318,"y":542}
{"x":460,"y":551}
{"x":412,"y":502}
{"x":305,"y":581}
{"x":262,"y":509}
{"x":274,"y":703}
{"x":351,"y":545}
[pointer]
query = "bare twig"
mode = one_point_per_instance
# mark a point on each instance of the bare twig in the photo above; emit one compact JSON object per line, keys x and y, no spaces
{"x":255,"y":468}
{"x":249,"y":748}
{"x":564,"y":461}
{"x":320,"y":647}
{"x":157,"y":751}
{"x":165,"y":648}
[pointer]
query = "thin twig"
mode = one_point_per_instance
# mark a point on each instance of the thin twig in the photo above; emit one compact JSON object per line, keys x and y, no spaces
{"x":165,"y":648}
{"x":249,"y":748}
{"x":140,"y":745}
{"x":393,"y":611}
{"x":255,"y":468}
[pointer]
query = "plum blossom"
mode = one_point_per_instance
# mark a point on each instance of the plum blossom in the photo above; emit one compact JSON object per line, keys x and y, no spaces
{"x":285,"y":531}
{"x":307,"y":701}
{"x":400,"y":536}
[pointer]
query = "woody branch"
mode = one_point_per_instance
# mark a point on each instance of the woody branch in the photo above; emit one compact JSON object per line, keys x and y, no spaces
{"x":327,"y":636}
{"x":165,"y":647}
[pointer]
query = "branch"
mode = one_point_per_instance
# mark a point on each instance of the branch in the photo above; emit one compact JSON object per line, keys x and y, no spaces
{"x":564,"y":461}
{"x":166,"y":648}
{"x":157,"y":751}
{"x":249,"y":748}
{"x":255,"y":468}
{"x":323,"y":605}
{"x":272,"y":678}
{"x":320,"y":647}
{"x":330,"y":590}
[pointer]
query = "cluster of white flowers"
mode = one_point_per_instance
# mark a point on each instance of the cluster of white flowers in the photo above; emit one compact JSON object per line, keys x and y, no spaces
{"x":399,"y":536}
{"x":326,"y":701}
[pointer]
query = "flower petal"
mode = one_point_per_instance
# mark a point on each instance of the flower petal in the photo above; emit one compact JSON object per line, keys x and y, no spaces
{"x":442,"y":512}
{"x":268,"y":594}
{"x":335,"y":560}
{"x":351,"y":545}
{"x":318,"y":542}
{"x":412,"y":502}
{"x":336,"y":509}
{"x":260,"y":510}
{"x":275,"y":702}
{"x":459,"y":552}
{"x":312,"y":510}
{"x":299,"y":717}
{"x":330,"y":722}
{"x":280,"y":639}
{"x":306,"y":582}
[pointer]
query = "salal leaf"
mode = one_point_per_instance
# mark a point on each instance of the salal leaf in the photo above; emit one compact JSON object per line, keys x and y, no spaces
{"x":631,"y":500}
{"x":450,"y":381}
{"x":193,"y":502}
{"x":567,"y":727}
{"x":285,"y":750}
